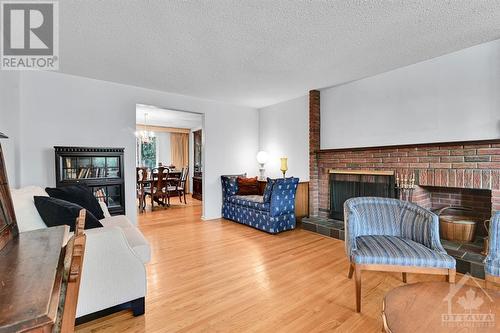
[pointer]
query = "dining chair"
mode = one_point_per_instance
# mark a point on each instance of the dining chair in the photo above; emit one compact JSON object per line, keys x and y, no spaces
{"x":157,"y":190}
{"x":73,"y":262}
{"x":141,"y":178}
{"x":179,"y":188}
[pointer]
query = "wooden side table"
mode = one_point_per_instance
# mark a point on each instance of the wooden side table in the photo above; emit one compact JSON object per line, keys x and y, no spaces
{"x":441,"y":307}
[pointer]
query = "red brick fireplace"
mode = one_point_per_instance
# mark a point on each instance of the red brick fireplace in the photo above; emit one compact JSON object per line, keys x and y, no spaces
{"x":464,"y":173}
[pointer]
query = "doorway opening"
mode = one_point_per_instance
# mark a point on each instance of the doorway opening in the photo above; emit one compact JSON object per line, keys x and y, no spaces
{"x":169,"y":161}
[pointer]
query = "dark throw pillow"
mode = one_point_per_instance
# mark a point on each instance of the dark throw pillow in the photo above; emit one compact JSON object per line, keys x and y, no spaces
{"x":268,"y":190}
{"x":56,"y":212}
{"x":248,"y":186}
{"x":78,"y":194}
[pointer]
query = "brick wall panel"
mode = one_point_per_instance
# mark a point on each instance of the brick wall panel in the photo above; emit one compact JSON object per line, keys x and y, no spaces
{"x":453,"y":178}
{"x":463,"y":152}
{"x":495,"y":179}
{"x":469,"y":178}
{"x":451,"y":159}
{"x":460,"y":178}
{"x":418,"y":153}
{"x":476,"y":180}
{"x":486,"y":179}
{"x":488,"y":151}
{"x":437,"y":178}
{"x":439,"y":153}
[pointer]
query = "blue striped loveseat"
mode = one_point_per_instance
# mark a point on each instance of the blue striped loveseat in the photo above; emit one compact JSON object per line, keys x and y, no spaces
{"x":384,"y":234}
{"x":492,"y":262}
{"x":272,"y":212}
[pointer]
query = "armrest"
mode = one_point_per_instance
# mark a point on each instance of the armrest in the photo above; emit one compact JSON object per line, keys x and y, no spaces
{"x":112,"y":272}
{"x":494,"y":238}
{"x":351,"y":222}
{"x":422,"y":226}
{"x":283,"y":196}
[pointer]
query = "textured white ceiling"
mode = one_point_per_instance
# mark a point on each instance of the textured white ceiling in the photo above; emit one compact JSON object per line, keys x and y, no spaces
{"x":167,"y":118}
{"x":258,"y":53}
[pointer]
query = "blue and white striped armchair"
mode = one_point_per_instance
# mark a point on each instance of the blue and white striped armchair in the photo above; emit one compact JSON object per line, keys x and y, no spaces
{"x":492,"y":262}
{"x":391,"y":235}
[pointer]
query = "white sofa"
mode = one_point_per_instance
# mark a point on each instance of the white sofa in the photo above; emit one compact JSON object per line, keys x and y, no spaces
{"x":113,"y":275}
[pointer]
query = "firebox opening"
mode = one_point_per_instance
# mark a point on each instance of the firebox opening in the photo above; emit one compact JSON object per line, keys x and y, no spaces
{"x":478,"y":200}
{"x":345,"y":184}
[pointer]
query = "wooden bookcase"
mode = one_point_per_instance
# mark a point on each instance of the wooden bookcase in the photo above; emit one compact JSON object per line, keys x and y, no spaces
{"x":99,"y":168}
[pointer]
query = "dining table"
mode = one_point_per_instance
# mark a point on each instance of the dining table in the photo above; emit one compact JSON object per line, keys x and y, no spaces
{"x":173,"y":178}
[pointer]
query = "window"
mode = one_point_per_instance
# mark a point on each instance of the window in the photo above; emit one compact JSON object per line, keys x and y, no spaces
{"x":146,"y":153}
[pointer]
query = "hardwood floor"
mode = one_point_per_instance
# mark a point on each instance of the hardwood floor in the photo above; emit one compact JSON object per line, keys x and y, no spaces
{"x":220,"y":276}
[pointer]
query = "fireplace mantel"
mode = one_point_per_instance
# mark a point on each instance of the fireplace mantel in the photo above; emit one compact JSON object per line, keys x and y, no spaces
{"x":362,"y":172}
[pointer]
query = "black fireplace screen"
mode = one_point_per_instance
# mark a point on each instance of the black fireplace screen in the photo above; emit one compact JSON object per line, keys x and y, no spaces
{"x":345,"y":186}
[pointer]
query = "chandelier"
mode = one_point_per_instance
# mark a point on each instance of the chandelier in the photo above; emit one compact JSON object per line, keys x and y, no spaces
{"x":145,"y":136}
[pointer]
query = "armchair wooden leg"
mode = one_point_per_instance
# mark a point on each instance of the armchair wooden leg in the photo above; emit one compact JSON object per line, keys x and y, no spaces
{"x":404,"y":277}
{"x":451,"y":276}
{"x":351,"y":270}
{"x":357,"y":282}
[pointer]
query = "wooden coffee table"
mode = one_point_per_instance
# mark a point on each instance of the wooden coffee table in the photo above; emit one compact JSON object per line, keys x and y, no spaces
{"x":441,"y":307}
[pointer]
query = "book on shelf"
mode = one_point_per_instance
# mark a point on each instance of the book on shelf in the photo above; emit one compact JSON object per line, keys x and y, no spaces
{"x":87,"y":173}
{"x":100,"y":194}
{"x":81,"y":173}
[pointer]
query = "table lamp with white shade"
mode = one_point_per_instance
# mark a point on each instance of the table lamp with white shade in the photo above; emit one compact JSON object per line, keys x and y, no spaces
{"x":262,"y":159}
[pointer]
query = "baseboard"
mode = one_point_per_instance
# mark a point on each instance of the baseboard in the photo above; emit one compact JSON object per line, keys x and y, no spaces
{"x":134,"y":306}
{"x":204,"y":218}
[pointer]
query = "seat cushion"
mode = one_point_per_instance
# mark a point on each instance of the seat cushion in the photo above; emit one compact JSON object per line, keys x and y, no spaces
{"x":134,"y":237}
{"x":250,"y":201}
{"x":393,"y":250}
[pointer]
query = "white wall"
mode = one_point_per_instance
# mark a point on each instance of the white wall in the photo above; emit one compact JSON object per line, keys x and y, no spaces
{"x":454,"y":97}
{"x":284,"y":131}
{"x":9,"y":123}
{"x":58,"y":109}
